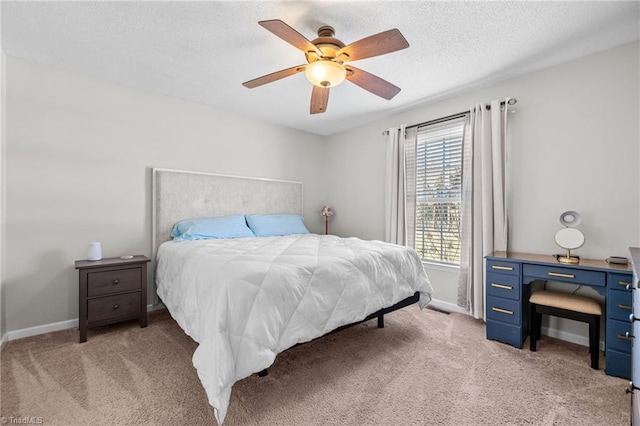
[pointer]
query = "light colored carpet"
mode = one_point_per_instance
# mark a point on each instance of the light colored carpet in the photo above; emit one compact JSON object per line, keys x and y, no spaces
{"x":424,"y":368}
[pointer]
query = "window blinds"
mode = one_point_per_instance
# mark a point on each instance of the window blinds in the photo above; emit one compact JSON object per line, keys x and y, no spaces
{"x":438,"y":190}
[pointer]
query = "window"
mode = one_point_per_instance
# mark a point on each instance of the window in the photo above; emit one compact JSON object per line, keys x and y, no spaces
{"x":439,"y":191}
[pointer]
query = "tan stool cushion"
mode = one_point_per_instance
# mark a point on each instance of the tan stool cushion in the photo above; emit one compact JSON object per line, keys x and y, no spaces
{"x":570,"y":302}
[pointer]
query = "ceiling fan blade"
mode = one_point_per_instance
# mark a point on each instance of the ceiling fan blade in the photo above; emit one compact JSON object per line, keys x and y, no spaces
{"x":372,"y":83}
{"x":269,"y":78}
{"x":291,"y":36}
{"x":375,"y":45}
{"x":319,"y":99}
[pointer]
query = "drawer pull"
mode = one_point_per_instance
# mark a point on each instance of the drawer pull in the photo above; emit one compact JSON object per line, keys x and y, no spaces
{"x":116,"y":306}
{"x":625,"y":336}
{"x":623,"y":306}
{"x":502,"y":286}
{"x":116,"y":281}
{"x":502,"y":268}
{"x":624,"y":284}
{"x":502,"y":311}
{"x":631,"y":387}
{"x":558,"y":274}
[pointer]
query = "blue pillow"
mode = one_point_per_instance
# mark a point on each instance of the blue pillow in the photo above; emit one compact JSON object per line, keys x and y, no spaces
{"x":211,"y":227}
{"x":268,"y":225}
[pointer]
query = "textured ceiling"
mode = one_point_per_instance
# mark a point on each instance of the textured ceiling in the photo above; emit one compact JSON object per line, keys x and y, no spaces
{"x":203,"y":51}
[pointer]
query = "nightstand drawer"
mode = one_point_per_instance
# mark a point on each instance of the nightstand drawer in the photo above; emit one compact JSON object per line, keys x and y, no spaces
{"x":503,"y":310}
{"x":503,"y":285}
{"x":503,"y":267}
{"x":114,"y":281}
{"x":113,"y":307}
{"x":567,"y":275}
{"x":619,"y":305}
{"x":620,"y":281}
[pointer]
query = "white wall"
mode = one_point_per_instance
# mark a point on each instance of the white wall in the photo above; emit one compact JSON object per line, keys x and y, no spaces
{"x":574,"y":145}
{"x":3,"y":133}
{"x":79,"y":153}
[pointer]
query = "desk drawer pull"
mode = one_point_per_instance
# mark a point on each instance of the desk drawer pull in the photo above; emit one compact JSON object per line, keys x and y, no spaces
{"x":502,"y":268}
{"x":630,"y":388}
{"x":502,"y":311}
{"x":624,"y":284}
{"x":557,"y":274}
{"x":502,"y":286}
{"x":622,"y":306}
{"x":625,"y":336}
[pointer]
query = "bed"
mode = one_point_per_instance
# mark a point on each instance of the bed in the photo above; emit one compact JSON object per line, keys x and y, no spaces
{"x":244,"y":300}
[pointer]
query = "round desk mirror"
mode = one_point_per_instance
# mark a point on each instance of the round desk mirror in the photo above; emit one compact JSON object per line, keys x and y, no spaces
{"x":569,"y":239}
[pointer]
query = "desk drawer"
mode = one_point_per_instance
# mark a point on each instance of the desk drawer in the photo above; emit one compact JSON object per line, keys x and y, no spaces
{"x":503,"y":285}
{"x":618,"y":364}
{"x":503,"y":310}
{"x":619,"y":304}
{"x":619,"y":281}
{"x":503,"y":267}
{"x":567,"y":275}
{"x":617,"y":335}
{"x":505,"y":333}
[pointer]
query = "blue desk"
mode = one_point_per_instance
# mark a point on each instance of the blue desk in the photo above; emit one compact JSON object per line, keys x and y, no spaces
{"x":507,"y":280}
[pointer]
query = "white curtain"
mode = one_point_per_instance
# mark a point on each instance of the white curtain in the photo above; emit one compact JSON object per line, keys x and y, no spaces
{"x":400,"y":184}
{"x":484,"y":205}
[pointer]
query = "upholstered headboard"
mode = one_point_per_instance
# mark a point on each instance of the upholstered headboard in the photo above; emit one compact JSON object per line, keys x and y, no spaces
{"x":181,"y":195}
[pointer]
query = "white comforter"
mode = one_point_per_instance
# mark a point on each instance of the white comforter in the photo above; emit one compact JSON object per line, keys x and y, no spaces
{"x":245,"y":300}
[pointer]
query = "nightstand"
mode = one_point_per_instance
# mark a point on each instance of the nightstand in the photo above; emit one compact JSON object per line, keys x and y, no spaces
{"x":112,"y":290}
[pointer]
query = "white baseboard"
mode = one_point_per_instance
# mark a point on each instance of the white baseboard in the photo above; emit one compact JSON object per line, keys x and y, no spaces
{"x":41,"y":329}
{"x":569,"y":337}
{"x":4,"y":339}
{"x":447,"y":307}
{"x":55,"y":326}
{"x":156,"y":307}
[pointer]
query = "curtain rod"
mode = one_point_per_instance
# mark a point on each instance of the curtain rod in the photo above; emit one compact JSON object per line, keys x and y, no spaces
{"x":512,"y":101}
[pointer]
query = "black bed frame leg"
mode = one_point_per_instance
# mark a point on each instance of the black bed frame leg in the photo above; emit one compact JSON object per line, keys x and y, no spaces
{"x":380,"y":321}
{"x":263,"y":373}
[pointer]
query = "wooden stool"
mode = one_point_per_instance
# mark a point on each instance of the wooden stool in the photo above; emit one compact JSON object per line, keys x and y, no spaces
{"x":569,"y":306}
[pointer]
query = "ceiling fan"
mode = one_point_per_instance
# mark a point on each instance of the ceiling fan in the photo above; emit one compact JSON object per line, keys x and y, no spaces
{"x":326,"y":57}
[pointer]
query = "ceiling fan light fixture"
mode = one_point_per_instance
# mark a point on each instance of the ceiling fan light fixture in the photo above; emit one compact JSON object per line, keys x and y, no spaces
{"x":325,"y":57}
{"x":325,"y":73}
